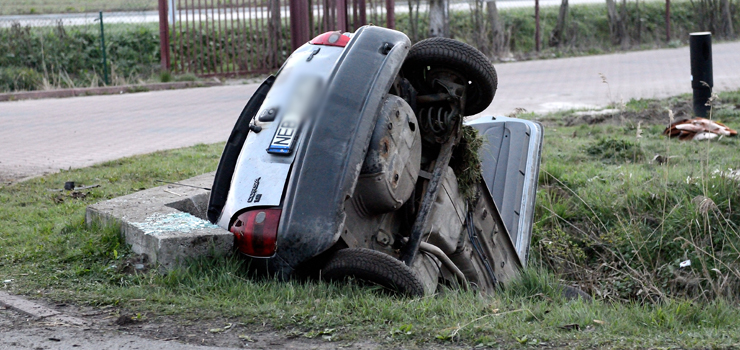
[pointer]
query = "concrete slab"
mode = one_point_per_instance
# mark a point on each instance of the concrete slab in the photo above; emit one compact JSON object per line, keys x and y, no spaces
{"x":167,"y":223}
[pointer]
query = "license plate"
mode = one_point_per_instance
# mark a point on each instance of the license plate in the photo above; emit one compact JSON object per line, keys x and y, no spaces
{"x":285,"y":136}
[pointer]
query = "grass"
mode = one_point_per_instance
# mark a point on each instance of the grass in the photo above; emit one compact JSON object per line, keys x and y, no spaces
{"x":70,"y":57}
{"x":31,"y":7}
{"x":618,"y":222}
{"x":585,"y":198}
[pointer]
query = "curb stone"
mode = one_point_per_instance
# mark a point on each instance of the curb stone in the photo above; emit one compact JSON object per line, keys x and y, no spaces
{"x":37,"y":311}
{"x":167,"y":223}
{"x":106,"y":90}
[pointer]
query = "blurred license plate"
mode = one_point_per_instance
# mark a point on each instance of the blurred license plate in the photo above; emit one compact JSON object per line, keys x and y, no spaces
{"x":285,"y":135}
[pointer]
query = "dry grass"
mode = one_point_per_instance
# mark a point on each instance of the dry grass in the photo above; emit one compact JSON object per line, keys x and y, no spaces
{"x":616,"y":221}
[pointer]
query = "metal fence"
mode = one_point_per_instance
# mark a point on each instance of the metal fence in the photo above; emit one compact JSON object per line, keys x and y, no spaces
{"x":237,"y":37}
{"x":234,"y":37}
{"x":210,"y":37}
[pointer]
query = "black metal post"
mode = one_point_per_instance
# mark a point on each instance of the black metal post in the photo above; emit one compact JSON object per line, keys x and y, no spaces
{"x":102,"y":47}
{"x":700,"y":46}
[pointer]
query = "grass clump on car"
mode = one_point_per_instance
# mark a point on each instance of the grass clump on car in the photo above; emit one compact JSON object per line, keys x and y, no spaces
{"x":466,"y":162}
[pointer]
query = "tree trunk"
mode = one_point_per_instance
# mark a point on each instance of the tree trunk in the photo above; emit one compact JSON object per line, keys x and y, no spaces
{"x":439,"y":19}
{"x":617,"y":23}
{"x":613,"y":16}
{"x":638,"y":36}
{"x":727,"y":29}
{"x":556,"y":36}
{"x":414,"y":20}
{"x":498,"y":37}
{"x":274,"y":32}
{"x":623,"y":33}
{"x":480,"y":30}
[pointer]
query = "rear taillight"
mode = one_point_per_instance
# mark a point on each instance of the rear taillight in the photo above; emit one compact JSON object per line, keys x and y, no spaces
{"x":255,"y":232}
{"x":330,"y":39}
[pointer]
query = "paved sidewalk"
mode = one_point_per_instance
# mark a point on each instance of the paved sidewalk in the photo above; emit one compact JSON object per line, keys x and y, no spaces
{"x":548,"y":85}
{"x":41,"y":136}
{"x":47,"y":135}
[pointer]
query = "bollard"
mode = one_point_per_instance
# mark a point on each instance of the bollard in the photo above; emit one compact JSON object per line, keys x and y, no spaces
{"x":700,"y":46}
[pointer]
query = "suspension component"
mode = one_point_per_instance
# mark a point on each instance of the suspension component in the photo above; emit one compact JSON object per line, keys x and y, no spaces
{"x":439,"y":121}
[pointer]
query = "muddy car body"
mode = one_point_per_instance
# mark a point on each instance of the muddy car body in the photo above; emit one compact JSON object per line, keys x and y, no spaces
{"x":340,"y":166}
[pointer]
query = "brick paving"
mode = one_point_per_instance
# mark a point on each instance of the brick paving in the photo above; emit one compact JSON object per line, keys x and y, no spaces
{"x":43,"y":136}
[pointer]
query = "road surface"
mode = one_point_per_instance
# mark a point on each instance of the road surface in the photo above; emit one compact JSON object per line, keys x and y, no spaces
{"x":40,"y":136}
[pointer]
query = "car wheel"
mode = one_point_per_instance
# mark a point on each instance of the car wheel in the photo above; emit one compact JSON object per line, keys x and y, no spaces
{"x":374,"y":267}
{"x":471,"y":66}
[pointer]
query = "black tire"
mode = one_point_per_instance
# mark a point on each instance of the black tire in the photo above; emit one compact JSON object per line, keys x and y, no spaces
{"x":448,"y":54}
{"x":374,"y":267}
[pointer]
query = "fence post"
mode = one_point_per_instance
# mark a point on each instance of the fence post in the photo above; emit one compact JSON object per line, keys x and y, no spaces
{"x":390,"y":8}
{"x":537,"y":25}
{"x":171,"y":9}
{"x":102,"y":47}
{"x":667,"y":21}
{"x":342,"y":15}
{"x":299,"y":24}
{"x":164,"y":36}
{"x":363,"y":12}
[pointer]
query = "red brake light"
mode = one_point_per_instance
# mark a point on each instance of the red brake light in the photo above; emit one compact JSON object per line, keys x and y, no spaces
{"x":330,"y":39}
{"x":255,"y":232}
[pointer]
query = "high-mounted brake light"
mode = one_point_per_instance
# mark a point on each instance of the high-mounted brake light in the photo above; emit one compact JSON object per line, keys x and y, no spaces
{"x":330,"y":39}
{"x":255,"y":232}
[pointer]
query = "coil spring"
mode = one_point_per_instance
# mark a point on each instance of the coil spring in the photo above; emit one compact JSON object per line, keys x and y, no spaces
{"x":438,"y":120}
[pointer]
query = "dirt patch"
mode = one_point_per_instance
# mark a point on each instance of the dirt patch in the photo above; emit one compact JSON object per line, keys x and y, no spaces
{"x":654,"y":113}
{"x":144,"y":331}
{"x":113,"y":327}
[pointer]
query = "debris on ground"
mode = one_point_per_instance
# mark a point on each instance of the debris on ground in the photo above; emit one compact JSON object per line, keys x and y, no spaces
{"x":571,"y":327}
{"x":135,"y":264}
{"x":660,"y":159}
{"x":125,"y":320}
{"x":71,"y":187}
{"x":597,"y":113}
{"x":698,"y":129}
{"x":78,"y":195}
{"x":59,"y":198}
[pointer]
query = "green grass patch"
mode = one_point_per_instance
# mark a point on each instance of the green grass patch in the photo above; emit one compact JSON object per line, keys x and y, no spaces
{"x":71,"y":57}
{"x":617,"y":226}
{"x":615,"y":150}
{"x":32,"y":7}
